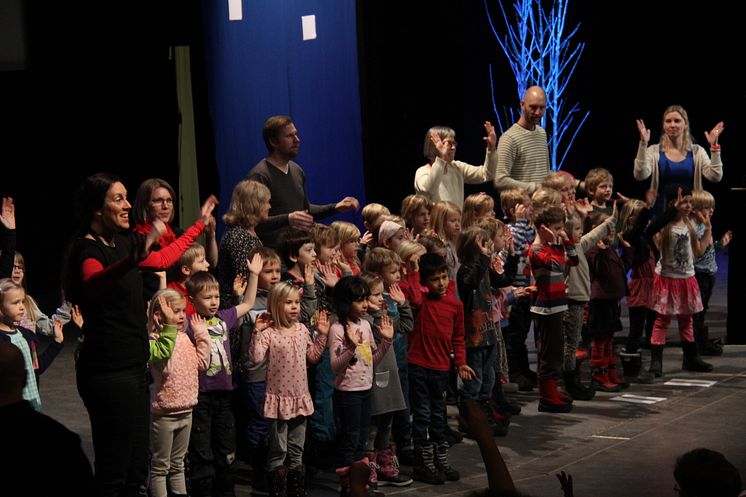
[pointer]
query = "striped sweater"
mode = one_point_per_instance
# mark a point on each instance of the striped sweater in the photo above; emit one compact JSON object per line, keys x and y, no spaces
{"x":548,"y":263}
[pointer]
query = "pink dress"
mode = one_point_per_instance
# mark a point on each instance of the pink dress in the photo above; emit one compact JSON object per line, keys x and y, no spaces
{"x":287,"y":395}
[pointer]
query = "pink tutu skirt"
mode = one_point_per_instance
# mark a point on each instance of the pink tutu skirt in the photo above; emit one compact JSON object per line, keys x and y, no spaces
{"x":641,"y":293}
{"x":674,"y":296}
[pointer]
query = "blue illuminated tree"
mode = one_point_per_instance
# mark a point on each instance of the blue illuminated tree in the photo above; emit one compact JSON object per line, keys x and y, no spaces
{"x":540,"y":53}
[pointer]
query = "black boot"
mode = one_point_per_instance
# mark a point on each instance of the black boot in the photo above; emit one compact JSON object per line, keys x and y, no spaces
{"x":296,"y":482}
{"x":259,"y":475}
{"x":224,"y":485}
{"x":632,"y":367}
{"x":692,"y":361}
{"x":575,"y":387}
{"x":656,"y":360}
{"x":424,"y":465}
{"x":441,"y":462}
{"x":201,"y":487}
{"x":498,"y":397}
{"x":705,"y":345}
{"x":278,"y":482}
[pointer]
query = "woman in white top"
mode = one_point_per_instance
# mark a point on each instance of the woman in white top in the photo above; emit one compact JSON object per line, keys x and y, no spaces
{"x":443,"y":178}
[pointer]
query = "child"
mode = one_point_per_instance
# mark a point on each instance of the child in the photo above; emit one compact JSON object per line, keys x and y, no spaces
{"x":639,"y":255}
{"x":578,"y":283}
{"x":544,"y":197}
{"x":354,"y":353}
{"x":516,"y":205}
{"x":675,"y":286}
{"x":286,"y":344}
{"x":33,"y":319}
{"x":12,"y":296}
{"x":608,"y":287}
{"x":388,"y":398}
{"x":476,"y":278}
{"x":563,"y":182}
{"x":550,"y":253}
{"x":174,"y":390}
{"x":390,"y":235}
{"x":438,"y":330}
{"x":705,"y":269}
{"x":599,"y":184}
{"x":433,"y":245}
{"x":191,"y":261}
{"x":298,"y":256}
{"x":446,"y":219}
{"x":349,"y":240}
{"x":476,"y":207}
{"x":415,"y":209}
{"x":212,"y":445}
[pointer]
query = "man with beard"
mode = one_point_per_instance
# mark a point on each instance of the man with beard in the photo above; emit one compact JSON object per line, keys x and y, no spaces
{"x":287,"y":183}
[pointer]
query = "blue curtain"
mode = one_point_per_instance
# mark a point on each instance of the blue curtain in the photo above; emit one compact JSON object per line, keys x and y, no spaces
{"x":260,"y":66}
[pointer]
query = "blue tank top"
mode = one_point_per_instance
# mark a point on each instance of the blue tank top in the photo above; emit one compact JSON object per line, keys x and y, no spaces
{"x":673,"y":172}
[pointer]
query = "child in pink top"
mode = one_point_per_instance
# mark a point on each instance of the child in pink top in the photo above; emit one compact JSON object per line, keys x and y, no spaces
{"x":287,"y":345}
{"x":174,"y":390}
{"x":353,"y":353}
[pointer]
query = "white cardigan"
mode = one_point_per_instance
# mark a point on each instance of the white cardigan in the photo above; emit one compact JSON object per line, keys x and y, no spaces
{"x":646,"y":165}
{"x":439,"y":184}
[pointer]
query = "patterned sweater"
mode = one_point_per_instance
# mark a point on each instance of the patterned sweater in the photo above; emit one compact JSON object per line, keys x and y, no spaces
{"x":548,"y":263}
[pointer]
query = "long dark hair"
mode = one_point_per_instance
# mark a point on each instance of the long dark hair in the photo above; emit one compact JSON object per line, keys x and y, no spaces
{"x":90,"y":197}
{"x":348,"y":290}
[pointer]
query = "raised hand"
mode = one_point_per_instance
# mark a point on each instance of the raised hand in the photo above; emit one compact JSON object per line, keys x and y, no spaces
{"x":583,"y":207}
{"x":347,"y":204}
{"x":199,"y":325}
{"x":76,"y":316}
{"x":725,"y":240}
{"x":142,"y":248}
{"x":491,"y":138}
{"x":239,"y":284}
{"x":354,"y":335}
{"x":308,"y":274}
{"x":547,"y":235}
{"x":386,"y":327}
{"x":8,"y":214}
{"x":442,"y":146}
{"x":485,"y":246}
{"x":168,"y":314}
{"x":396,"y":294}
{"x":714,"y":134}
{"x":322,"y":323}
{"x":262,"y":322}
{"x":615,"y":209}
{"x":210,"y":227}
{"x":328,"y":275}
{"x":644,"y":132}
{"x":521,"y":212}
{"x":57,"y":328}
{"x":367,"y":238}
{"x":256,"y":264}
{"x":207,"y":208}
{"x":465,"y":372}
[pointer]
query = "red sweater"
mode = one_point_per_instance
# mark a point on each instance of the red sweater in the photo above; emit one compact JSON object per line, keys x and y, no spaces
{"x":438,"y":328}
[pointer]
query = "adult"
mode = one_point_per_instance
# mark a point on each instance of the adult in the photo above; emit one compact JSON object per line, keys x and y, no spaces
{"x":155,"y":200}
{"x":287,"y":183}
{"x":522,"y":151}
{"x":27,"y":432}
{"x":676,"y":158}
{"x":443,"y":178}
{"x":103,"y":279}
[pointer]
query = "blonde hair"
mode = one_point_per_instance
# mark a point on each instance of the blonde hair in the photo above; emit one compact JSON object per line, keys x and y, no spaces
{"x":371,"y":279}
{"x":194,"y":252}
{"x":545,"y":197}
{"x":171,"y":296}
{"x":29,"y":304}
{"x":687,"y":139}
{"x":346,"y":232}
{"x":474,"y":205}
{"x":324,"y":236}
{"x":630,"y":211}
{"x":6,"y":285}
{"x":276,"y":303}
{"x":702,"y":199}
{"x":373,"y":211}
{"x":247,"y":201}
{"x":511,"y":197}
{"x":492,"y":226}
{"x":408,"y":248}
{"x":595,"y":177}
{"x":412,"y":204}
{"x":379,"y":258}
{"x":441,"y":211}
{"x":556,"y":181}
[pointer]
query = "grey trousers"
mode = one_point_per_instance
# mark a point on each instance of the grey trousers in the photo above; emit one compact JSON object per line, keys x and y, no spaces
{"x":286,"y":438}
{"x":169,"y":442}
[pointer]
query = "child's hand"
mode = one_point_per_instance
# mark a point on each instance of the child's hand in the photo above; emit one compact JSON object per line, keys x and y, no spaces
{"x":308,"y":277}
{"x":396,"y":294}
{"x":650,"y":197}
{"x":168,"y":314}
{"x":76,"y":316}
{"x":207,"y":208}
{"x":322,"y":323}
{"x":367,"y":238}
{"x":409,"y":234}
{"x":413,"y":264}
{"x":547,"y":236}
{"x":520,"y":212}
{"x":725,"y":240}
{"x":615,"y":210}
{"x":210,"y":227}
{"x":621,"y":198}
{"x":328,"y":275}
{"x":256,"y":264}
{"x":484,"y":246}
{"x":57,"y":328}
{"x":239,"y":285}
{"x":624,"y":243}
{"x":162,"y":279}
{"x":386,"y":327}
{"x":354,"y":335}
{"x":263,"y":321}
{"x":8,"y":214}
{"x":199,"y":325}
{"x":466,"y":373}
{"x":341,"y":264}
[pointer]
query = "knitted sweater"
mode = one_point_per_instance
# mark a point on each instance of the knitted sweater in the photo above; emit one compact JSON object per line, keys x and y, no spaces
{"x":176,"y":383}
{"x":578,"y":278}
{"x":548,"y":266}
{"x":441,"y":181}
{"x":522,"y":158}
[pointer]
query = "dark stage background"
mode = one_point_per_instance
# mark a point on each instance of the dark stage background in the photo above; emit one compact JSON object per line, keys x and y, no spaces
{"x":97,"y":92}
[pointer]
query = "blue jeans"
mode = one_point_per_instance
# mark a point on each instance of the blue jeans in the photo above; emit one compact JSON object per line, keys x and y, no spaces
{"x":257,"y":431}
{"x":427,"y":396}
{"x":322,"y":420}
{"x":482,"y":360}
{"x":352,"y":410}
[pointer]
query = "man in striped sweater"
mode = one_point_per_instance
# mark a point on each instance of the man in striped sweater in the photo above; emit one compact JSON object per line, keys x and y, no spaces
{"x":548,"y":256}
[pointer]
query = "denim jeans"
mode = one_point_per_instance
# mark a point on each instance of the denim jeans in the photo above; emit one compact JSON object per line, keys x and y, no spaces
{"x":482,"y":360}
{"x":427,"y":396}
{"x":352,"y":410}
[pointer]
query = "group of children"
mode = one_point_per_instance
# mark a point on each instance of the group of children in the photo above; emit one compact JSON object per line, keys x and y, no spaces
{"x":365,"y":334}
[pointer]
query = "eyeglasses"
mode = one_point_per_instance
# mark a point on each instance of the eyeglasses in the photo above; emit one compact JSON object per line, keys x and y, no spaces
{"x":162,"y":201}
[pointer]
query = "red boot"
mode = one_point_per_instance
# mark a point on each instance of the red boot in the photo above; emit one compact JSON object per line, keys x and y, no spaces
{"x":550,"y":400}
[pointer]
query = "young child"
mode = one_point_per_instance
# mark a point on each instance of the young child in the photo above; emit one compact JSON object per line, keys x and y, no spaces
{"x":544,"y":197}
{"x":373,"y":215}
{"x":388,"y":398}
{"x":349,"y":240}
{"x":446,"y":219}
{"x":675,"y":287}
{"x":563,"y":182}
{"x":550,"y":253}
{"x":390,"y":235}
{"x":33,"y":319}
{"x":12,"y":296}
{"x":639,"y":255}
{"x":578,"y":283}
{"x":705,"y":269}
{"x":298,"y":256}
{"x":476,"y":207}
{"x":354,"y":353}
{"x":599,"y":184}
{"x":438,"y":330}
{"x":516,"y":205}
{"x":212,"y":445}
{"x":286,"y":344}
{"x":191,"y":261}
{"x":476,"y":278}
{"x":415,"y":209}
{"x":608,"y":287}
{"x":174,"y":390}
